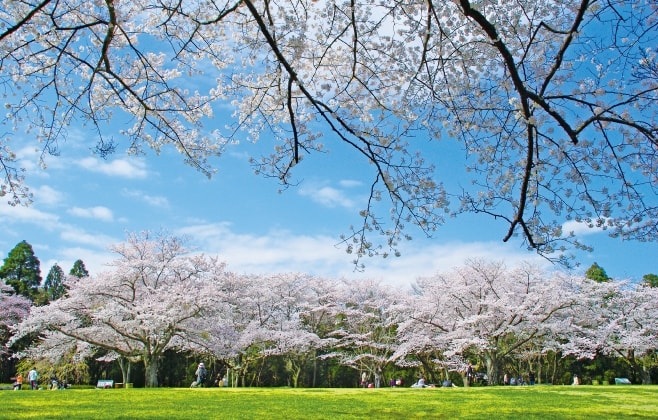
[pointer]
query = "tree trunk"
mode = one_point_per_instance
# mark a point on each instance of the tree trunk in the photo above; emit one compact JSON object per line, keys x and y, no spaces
{"x":491,"y":361}
{"x":554,"y":365}
{"x":645,"y":372}
{"x":125,"y":365}
{"x":640,"y":366}
{"x":315,"y":369}
{"x":151,"y":364}
{"x":294,"y":375}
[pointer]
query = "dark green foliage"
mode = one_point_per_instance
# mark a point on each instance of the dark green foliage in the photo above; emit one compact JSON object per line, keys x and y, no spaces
{"x":597,"y":273}
{"x":650,"y":280}
{"x":54,"y":284}
{"x":67,"y":369}
{"x":101,"y":369}
{"x":79,"y":270}
{"x":21,"y":271}
{"x":177,"y":368}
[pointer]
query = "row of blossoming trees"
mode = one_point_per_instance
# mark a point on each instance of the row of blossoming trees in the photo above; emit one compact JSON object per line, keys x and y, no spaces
{"x":159,"y":297}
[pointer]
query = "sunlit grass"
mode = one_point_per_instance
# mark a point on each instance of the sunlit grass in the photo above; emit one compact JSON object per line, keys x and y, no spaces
{"x":539,"y":402}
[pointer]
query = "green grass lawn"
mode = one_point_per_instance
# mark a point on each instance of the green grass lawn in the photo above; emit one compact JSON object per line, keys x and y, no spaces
{"x":539,"y":402}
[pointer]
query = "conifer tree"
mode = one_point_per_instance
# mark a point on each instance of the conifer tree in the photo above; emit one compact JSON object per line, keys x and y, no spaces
{"x":21,"y":270}
{"x":597,"y":273}
{"x":79,"y":270}
{"x":54,"y":284}
{"x":650,"y":280}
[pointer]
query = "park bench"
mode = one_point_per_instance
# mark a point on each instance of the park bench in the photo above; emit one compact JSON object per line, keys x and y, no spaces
{"x":105,"y":383}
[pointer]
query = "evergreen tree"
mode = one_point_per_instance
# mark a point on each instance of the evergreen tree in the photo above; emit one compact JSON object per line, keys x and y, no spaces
{"x":21,"y":270}
{"x":650,"y":280}
{"x":54,"y":284}
{"x":79,"y":270}
{"x":597,"y":273}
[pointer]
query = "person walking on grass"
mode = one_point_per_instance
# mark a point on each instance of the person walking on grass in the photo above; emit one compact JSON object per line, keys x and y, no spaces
{"x":201,"y":374}
{"x":470,"y":375}
{"x":32,"y":377}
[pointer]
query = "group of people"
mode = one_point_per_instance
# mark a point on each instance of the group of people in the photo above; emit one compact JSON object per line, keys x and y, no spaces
{"x":507,"y":380}
{"x":365,"y":383}
{"x":32,"y":378}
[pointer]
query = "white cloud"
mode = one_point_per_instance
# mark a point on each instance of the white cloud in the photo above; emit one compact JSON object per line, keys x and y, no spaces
{"x":80,"y":236}
{"x":20,"y":214}
{"x":349,"y":183}
{"x":327,"y":196}
{"x":153,"y":200}
{"x":580,"y":228}
{"x":98,"y":212}
{"x":281,"y":251}
{"x":28,"y":159}
{"x":47,"y":195}
{"x":95,"y":261}
{"x":125,"y":168}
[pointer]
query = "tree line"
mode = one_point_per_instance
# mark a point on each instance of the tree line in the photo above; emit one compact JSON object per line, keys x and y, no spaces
{"x":159,"y":309}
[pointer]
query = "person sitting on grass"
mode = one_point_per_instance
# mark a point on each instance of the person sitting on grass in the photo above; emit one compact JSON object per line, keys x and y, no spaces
{"x":420,"y":383}
{"x":18,"y":382}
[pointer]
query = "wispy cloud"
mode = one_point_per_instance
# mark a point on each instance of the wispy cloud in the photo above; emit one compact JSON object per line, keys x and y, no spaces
{"x":327,"y":196}
{"x":89,"y":246}
{"x":47,"y":195}
{"x":28,"y":159}
{"x":349,"y":183}
{"x":282,"y":251}
{"x":153,"y":200}
{"x":82,"y":237}
{"x":19,"y":214}
{"x":125,"y":168}
{"x":98,"y":212}
{"x":95,"y":260}
{"x":580,"y":228}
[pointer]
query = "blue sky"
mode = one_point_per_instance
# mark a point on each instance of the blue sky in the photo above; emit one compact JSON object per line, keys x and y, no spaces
{"x":83,"y":204}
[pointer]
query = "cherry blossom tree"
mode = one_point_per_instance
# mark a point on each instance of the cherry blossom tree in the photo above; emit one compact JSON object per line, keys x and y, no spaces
{"x":157,"y":296}
{"x":13,"y":309}
{"x":317,"y":315}
{"x":491,"y":311}
{"x":552,"y":101}
{"x":239,"y":340}
{"x":287,"y":334}
{"x":630,"y":328}
{"x":364,"y":334}
{"x":263,"y":318}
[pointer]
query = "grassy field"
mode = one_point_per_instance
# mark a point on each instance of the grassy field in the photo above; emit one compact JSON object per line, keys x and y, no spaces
{"x":538,"y":402}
